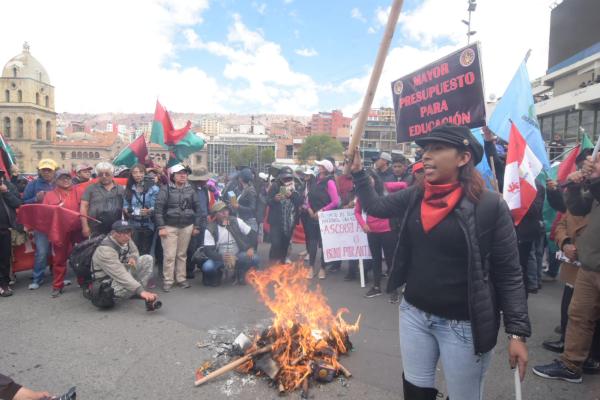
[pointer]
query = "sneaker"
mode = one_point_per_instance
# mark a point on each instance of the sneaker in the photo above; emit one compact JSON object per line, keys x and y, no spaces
{"x":167,"y":288}
{"x":311,"y":273}
{"x":557,"y":370}
{"x":5,"y":291}
{"x":374,"y":292}
{"x":556,"y":346}
{"x":591,"y":366}
{"x":394,"y":298}
{"x":287,"y":260}
{"x":184,"y":285}
{"x":55,"y":293}
{"x":322,"y":274}
{"x":34,"y":286}
{"x":67,"y":282}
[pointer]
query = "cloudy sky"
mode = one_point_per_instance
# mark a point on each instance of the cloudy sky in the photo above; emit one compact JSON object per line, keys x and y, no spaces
{"x":246,"y":56}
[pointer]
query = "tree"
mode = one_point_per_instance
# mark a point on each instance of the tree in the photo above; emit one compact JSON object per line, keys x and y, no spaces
{"x":318,"y":147}
{"x":246,"y":156}
{"x":267,"y":156}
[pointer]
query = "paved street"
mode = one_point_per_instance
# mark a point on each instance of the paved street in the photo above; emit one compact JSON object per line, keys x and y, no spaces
{"x":127,"y":353}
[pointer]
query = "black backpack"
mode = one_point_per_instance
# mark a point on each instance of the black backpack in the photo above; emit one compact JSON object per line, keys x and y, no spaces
{"x":81,"y":258}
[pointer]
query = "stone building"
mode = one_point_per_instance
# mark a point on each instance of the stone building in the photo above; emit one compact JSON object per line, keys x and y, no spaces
{"x":27,"y":116}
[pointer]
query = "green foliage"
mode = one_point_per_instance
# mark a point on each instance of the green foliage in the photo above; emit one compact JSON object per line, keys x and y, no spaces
{"x":267,"y":156}
{"x":318,"y":147}
{"x":247,"y":156}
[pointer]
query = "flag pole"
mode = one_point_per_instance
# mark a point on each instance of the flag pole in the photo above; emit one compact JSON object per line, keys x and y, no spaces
{"x":527,"y":56}
{"x":596,"y":149}
{"x":375,"y":75}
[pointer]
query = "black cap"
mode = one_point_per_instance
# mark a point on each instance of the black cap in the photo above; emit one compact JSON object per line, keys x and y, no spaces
{"x":285,"y":172}
{"x":121,"y":226}
{"x":458,"y":136}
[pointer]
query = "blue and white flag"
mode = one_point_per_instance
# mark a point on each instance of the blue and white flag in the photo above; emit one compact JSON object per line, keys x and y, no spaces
{"x":484,"y":165}
{"x":517,"y":105}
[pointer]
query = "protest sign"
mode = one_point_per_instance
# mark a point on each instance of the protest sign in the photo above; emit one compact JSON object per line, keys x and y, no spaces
{"x":449,"y":90}
{"x":343,"y":238}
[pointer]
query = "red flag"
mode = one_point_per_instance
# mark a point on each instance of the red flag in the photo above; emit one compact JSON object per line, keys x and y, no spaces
{"x":170,"y":135}
{"x":55,"y":221}
{"x":522,"y":167}
{"x":567,"y":166}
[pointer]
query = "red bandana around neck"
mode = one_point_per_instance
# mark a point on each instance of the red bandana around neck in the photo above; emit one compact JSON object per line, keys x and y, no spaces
{"x":437,"y":203}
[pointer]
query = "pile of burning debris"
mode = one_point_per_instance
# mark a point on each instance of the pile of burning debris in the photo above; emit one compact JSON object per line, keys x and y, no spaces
{"x":304,"y":341}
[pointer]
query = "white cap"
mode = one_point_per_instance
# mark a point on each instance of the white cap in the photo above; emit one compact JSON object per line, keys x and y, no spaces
{"x":326,"y":164}
{"x":176,"y":168}
{"x":263,"y":176}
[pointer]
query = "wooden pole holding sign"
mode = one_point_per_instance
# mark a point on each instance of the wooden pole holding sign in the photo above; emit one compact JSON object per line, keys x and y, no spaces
{"x":375,"y":75}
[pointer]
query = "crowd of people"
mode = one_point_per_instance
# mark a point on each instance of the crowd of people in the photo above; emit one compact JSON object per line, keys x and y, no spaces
{"x":448,"y":244}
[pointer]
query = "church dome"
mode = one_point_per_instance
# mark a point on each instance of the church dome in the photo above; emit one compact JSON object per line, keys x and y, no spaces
{"x":24,"y":65}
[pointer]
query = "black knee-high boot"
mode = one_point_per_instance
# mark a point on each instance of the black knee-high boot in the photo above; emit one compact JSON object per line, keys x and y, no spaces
{"x":412,"y":392}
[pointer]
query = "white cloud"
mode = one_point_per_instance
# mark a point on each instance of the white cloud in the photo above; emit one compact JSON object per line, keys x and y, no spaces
{"x":306,"y":52}
{"x":356,"y":14}
{"x":505,"y":37}
{"x":262,"y":77}
{"x":288,"y":1}
{"x":371,"y":30}
{"x":111,"y":55}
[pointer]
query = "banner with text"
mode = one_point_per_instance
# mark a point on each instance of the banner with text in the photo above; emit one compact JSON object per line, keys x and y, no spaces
{"x":343,"y":238}
{"x":449,"y":90}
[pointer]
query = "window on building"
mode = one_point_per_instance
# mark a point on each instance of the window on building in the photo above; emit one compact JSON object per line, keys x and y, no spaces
{"x":38,"y":129}
{"x":39,"y":155}
{"x":289,"y":151}
{"x":587,"y":122}
{"x":48,"y":130}
{"x":7,"y":126}
{"x":198,"y":159}
{"x":79,"y":155}
{"x":47,"y":101}
{"x":19,"y":127}
{"x":85,"y":155}
{"x":7,"y":96}
{"x":572,"y":133}
{"x":558,"y":126}
{"x":163,"y":156}
{"x":63,"y":155}
{"x":20,"y":95}
{"x":14,"y":72}
{"x":73,"y":154}
{"x":546,"y":128}
{"x":37,"y":99}
{"x":96,"y":155}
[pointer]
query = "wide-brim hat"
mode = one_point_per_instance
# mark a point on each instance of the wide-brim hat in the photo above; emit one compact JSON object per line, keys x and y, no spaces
{"x":218,"y":206}
{"x":457,"y":136}
{"x":200,"y":174}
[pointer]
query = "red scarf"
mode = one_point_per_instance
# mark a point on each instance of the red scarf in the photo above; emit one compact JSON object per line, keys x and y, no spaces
{"x":437,"y":203}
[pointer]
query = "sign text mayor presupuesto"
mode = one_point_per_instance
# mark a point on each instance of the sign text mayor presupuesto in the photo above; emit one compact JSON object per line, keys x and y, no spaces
{"x":449,"y":90}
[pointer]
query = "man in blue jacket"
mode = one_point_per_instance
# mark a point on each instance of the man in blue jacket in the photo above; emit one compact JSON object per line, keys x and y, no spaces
{"x":34,"y":193}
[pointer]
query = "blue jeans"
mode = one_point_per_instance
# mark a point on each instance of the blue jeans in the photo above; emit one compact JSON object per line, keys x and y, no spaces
{"x":243,"y":264}
{"x":425,"y":339}
{"x":42,"y":248}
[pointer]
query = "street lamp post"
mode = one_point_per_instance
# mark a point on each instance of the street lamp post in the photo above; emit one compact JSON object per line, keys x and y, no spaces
{"x":471,"y":8}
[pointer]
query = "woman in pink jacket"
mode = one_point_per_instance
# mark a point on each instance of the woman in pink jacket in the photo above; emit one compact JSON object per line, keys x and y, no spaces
{"x":379,"y":233}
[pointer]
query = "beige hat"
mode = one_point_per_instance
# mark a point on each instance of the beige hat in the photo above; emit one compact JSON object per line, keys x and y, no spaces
{"x":218,"y":206}
{"x":200,"y":174}
{"x":47,"y":163}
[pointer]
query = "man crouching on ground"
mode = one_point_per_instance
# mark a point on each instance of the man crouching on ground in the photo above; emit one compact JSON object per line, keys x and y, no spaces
{"x":119,"y":270}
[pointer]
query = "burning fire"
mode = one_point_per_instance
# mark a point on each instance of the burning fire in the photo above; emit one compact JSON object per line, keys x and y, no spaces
{"x":306,"y":337}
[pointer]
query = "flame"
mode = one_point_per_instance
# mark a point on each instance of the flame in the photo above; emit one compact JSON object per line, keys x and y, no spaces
{"x":304,"y":328}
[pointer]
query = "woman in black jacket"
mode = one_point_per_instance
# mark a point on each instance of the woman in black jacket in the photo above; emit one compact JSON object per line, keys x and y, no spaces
{"x":457,"y":254}
{"x":245,"y":206}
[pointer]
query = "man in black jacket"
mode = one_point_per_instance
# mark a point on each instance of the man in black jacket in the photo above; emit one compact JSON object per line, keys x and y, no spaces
{"x":228,"y":246}
{"x":9,"y":202}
